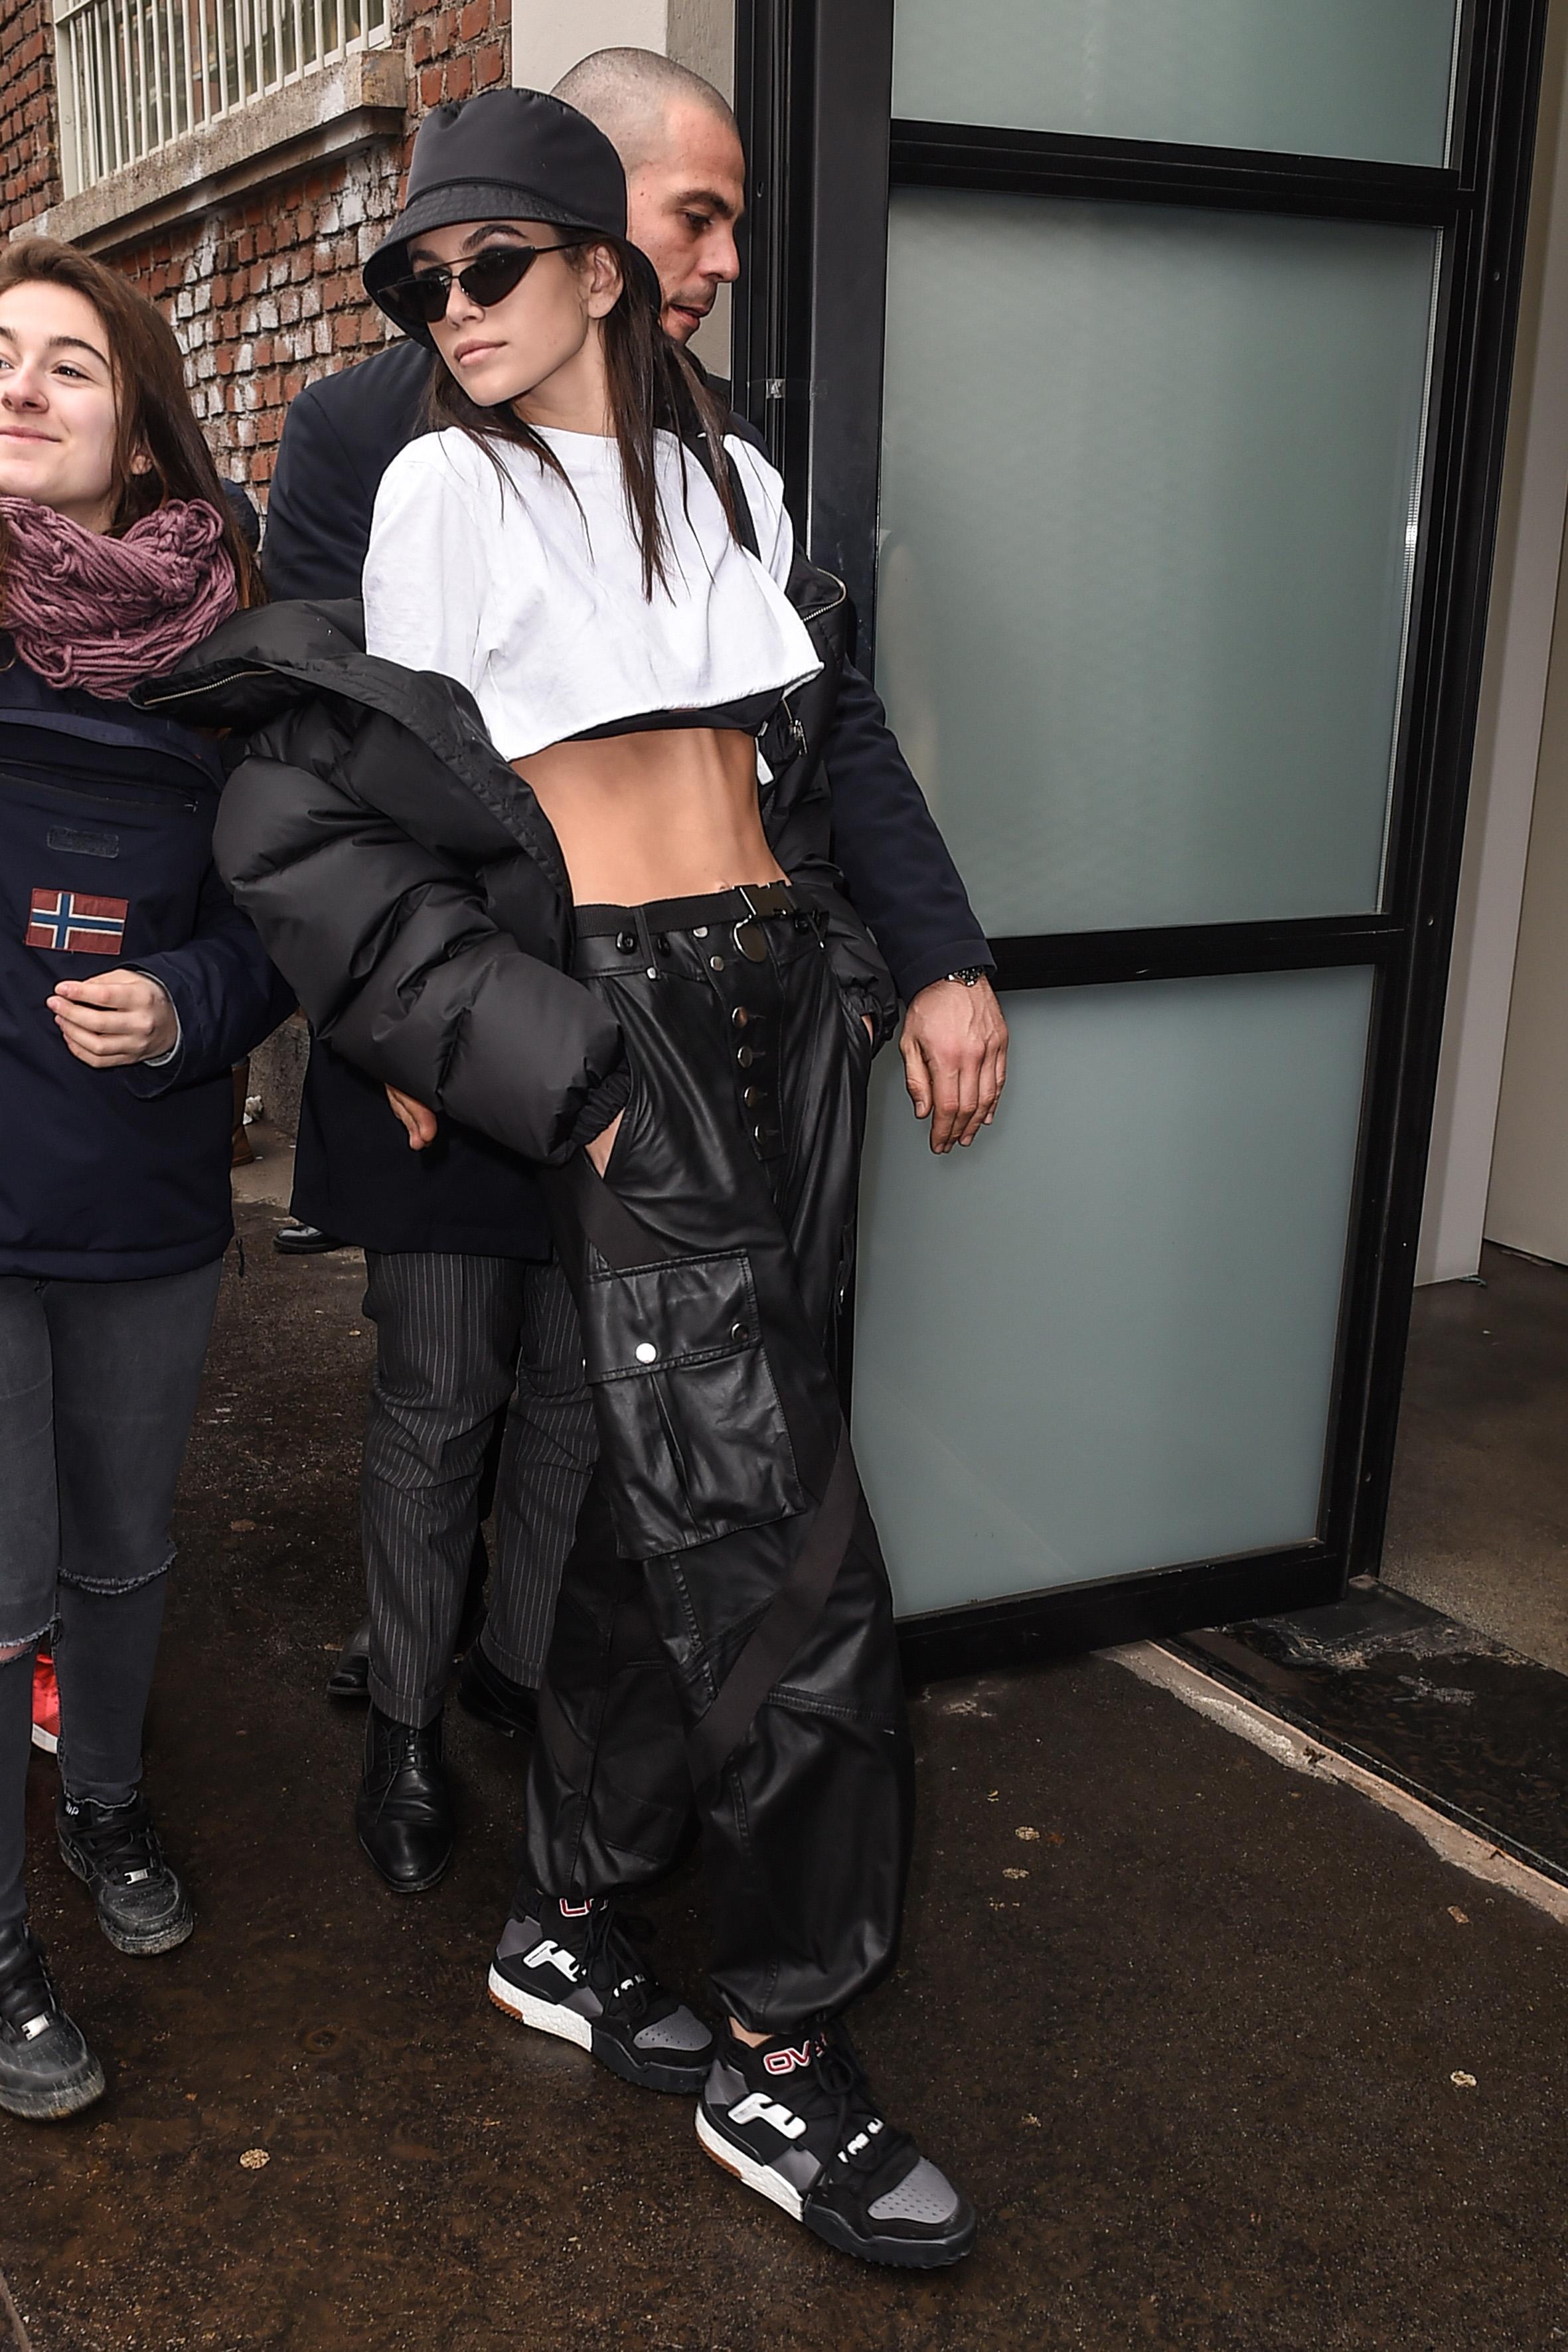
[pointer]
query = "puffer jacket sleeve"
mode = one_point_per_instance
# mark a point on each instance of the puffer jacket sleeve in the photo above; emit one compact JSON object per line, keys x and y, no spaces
{"x":403,"y":968}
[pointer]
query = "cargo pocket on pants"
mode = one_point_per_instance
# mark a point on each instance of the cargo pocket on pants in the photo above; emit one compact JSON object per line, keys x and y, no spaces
{"x":690,"y":1417}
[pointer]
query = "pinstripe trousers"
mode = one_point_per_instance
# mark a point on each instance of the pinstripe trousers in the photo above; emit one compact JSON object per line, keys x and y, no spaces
{"x":459,"y":1342}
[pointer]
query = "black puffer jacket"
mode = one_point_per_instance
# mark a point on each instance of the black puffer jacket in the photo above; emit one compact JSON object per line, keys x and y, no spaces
{"x":409,"y":886}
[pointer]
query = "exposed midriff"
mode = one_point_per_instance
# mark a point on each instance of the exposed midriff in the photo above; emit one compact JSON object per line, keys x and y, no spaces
{"x":670,"y":815}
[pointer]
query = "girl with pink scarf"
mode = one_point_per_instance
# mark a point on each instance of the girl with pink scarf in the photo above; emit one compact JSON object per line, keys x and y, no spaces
{"x":129,"y":985}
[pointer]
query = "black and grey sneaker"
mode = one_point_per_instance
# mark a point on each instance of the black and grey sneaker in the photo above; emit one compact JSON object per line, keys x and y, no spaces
{"x":142,"y":1906}
{"x":47,"y":2071}
{"x":573,"y":1969}
{"x":796,"y":2122}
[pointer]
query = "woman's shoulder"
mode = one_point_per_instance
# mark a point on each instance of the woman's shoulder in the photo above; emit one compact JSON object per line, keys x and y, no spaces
{"x":484,"y":477}
{"x":754,"y":468}
{"x":436,"y":459}
{"x":762,"y":483}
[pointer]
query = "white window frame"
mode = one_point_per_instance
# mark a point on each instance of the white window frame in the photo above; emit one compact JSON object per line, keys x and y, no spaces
{"x":132,"y":76}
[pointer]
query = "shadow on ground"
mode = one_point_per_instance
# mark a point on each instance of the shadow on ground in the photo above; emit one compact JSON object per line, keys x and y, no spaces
{"x":1187,"y":2029}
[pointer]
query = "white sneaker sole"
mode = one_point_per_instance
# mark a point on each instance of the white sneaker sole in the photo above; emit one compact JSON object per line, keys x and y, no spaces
{"x":747,"y":2171}
{"x":544,"y":2016}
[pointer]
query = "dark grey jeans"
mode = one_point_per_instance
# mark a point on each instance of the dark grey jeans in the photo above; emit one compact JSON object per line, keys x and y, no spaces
{"x":98,"y":1390}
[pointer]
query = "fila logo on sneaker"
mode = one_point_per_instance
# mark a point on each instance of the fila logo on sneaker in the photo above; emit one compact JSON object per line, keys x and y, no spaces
{"x":784,"y":2061}
{"x":551,"y":1956}
{"x":756,"y":2107}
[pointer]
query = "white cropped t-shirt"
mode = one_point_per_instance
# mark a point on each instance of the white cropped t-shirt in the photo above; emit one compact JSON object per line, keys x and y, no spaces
{"x":534,"y":599}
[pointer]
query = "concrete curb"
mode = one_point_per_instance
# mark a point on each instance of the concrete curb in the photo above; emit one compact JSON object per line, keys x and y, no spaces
{"x":1161,"y":1667}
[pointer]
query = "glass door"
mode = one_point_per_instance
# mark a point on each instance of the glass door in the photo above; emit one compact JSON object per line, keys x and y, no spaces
{"x":1142,"y":365}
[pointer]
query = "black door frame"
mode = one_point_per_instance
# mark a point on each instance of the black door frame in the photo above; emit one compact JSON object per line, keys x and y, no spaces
{"x":815,"y":82}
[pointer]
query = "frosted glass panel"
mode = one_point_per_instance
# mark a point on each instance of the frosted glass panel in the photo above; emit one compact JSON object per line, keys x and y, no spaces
{"x":1149,"y":484}
{"x":1361,"y":78}
{"x":1102,"y":1339}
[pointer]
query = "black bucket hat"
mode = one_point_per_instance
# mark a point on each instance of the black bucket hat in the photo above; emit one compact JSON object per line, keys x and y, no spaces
{"x":507,"y":155}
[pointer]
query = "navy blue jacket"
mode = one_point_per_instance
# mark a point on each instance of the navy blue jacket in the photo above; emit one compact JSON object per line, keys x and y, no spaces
{"x":106,"y":822}
{"x":354,"y":1174}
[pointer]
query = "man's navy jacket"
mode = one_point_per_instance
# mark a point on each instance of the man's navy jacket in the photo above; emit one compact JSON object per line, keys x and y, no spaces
{"x":355,"y":1174}
{"x":106,"y":824}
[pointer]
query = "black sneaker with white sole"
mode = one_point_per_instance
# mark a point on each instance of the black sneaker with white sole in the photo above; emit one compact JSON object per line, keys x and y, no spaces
{"x":47,"y":2071}
{"x":142,"y":1906}
{"x":573,"y":1969}
{"x":795,"y":2120}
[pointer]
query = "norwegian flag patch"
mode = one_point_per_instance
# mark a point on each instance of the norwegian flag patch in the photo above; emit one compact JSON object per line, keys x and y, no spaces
{"x":70,"y":922}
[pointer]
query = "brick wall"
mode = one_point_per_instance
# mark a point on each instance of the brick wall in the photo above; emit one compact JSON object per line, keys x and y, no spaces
{"x":264,"y":291}
{"x":265,"y":295}
{"x":29,"y":171}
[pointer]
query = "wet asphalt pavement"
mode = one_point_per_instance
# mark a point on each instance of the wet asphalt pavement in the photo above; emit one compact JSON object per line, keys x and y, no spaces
{"x":1185,"y":2026}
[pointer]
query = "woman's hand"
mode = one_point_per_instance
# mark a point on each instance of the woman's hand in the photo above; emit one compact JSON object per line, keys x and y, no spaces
{"x":119,"y":1018}
{"x":419,"y":1122}
{"x":599,"y":1150}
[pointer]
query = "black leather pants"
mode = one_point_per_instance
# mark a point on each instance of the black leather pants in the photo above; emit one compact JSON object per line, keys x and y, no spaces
{"x":725,"y":1635}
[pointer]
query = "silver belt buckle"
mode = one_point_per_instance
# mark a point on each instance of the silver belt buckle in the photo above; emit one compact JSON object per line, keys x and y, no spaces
{"x":748,"y":933}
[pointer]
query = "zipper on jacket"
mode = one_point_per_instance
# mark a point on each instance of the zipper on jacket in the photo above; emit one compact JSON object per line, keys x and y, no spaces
{"x":162,"y":796}
{"x":207,"y":686}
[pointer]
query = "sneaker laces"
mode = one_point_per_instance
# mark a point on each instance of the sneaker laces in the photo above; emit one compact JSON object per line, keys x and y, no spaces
{"x":121,"y":1838}
{"x":866,"y":2145}
{"x":612,"y":1966}
{"x":27,"y":1988}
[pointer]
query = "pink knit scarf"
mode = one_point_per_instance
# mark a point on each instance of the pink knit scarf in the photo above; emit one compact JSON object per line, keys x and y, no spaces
{"x":103,"y":614}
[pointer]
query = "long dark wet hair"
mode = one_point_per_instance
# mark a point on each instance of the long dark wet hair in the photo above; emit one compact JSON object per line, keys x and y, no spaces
{"x":653,"y":387}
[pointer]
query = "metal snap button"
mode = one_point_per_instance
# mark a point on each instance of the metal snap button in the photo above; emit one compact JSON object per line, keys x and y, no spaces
{"x":739,"y":1333}
{"x":653,"y":971}
{"x":625,"y":942}
{"x":701,"y":932}
{"x":647,"y":1352}
{"x":753,"y":1096}
{"x":757,"y":1134}
{"x":745,"y":1056}
{"x":739,"y":1016}
{"x":715,"y":963}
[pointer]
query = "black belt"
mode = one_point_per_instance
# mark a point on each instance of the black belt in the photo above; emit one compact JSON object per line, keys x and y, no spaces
{"x":751,"y":901}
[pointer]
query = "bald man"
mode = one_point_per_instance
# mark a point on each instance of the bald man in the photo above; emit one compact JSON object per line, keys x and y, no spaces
{"x":475,"y":1335}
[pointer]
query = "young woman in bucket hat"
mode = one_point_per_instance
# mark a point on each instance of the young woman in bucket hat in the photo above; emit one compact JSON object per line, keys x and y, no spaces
{"x":619,"y":950}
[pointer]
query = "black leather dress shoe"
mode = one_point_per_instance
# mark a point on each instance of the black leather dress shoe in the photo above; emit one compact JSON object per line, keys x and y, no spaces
{"x":403,"y":1815}
{"x":350,"y":1677}
{"x":506,"y":1706}
{"x":297,"y":1239}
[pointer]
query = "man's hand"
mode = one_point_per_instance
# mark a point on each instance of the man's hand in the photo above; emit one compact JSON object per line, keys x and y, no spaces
{"x":418,"y":1120}
{"x":954,"y":1044}
{"x":117,"y":1018}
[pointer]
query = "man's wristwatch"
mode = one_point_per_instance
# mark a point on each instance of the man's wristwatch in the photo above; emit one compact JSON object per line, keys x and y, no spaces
{"x":971,"y":974}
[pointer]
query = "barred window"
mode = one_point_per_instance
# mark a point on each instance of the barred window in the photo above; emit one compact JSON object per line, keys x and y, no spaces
{"x":134,"y":75}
